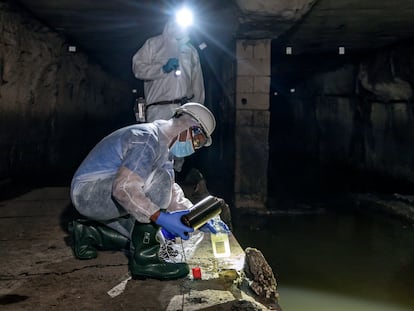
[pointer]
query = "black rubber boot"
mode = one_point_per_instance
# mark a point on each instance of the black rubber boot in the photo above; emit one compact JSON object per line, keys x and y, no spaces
{"x":144,"y":261}
{"x":89,"y":236}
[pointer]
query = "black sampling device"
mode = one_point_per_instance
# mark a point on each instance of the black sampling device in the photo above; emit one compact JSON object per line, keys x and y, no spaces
{"x":203,"y":211}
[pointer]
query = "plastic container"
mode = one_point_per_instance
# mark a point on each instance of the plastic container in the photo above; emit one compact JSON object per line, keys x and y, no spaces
{"x":139,"y":109}
{"x":220,"y":243}
{"x":196,"y":273}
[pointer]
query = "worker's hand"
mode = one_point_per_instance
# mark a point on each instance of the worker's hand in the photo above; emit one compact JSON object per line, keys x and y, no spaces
{"x":172,"y":223}
{"x":171,"y":65}
{"x":215,"y":224}
{"x":167,"y":235}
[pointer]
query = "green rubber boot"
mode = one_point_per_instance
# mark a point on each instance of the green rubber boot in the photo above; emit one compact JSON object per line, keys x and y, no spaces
{"x":89,"y":236}
{"x":144,"y":261}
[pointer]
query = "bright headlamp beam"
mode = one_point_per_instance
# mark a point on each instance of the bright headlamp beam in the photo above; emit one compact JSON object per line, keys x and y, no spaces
{"x":184,"y":17}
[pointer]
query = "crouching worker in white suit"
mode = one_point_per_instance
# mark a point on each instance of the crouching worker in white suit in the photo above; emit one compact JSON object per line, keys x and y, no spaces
{"x":125,"y":188}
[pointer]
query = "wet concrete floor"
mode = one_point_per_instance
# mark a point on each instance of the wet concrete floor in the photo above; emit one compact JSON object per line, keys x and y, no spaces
{"x":38,"y":270}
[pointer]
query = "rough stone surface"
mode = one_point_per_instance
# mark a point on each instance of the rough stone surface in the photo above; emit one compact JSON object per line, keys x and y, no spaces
{"x":260,"y":274}
{"x":54,"y":105}
{"x":391,"y":89}
{"x":266,"y":18}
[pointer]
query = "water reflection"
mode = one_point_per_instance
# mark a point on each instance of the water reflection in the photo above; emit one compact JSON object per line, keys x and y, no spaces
{"x":347,"y":258}
{"x":296,"y":299}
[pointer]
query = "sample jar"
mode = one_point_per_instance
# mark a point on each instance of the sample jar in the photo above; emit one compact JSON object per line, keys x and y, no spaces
{"x":221,"y":245}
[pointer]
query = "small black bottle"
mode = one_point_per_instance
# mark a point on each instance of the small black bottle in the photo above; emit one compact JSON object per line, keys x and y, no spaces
{"x":203,"y":211}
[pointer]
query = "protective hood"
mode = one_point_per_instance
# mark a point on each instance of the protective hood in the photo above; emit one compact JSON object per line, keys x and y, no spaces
{"x":174,"y":31}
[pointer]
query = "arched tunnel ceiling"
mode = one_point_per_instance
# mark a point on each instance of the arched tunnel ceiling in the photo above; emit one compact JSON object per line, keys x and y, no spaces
{"x":112,"y":30}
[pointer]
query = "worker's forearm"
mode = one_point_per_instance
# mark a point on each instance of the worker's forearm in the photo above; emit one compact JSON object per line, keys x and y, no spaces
{"x":155,"y":216}
{"x":148,"y":71}
{"x":178,"y":199}
{"x":127,"y":190}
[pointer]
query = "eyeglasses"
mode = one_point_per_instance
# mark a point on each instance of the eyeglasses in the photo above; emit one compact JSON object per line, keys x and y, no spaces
{"x":198,"y":137}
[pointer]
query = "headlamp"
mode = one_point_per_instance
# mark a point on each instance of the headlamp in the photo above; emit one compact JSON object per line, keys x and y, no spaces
{"x":184,"y":17}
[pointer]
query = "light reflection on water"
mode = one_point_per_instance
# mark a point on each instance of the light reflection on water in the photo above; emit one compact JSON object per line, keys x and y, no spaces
{"x":335,"y":259}
{"x":298,"y":299}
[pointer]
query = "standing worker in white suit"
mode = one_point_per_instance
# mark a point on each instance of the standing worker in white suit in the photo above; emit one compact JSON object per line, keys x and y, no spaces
{"x":170,"y":67}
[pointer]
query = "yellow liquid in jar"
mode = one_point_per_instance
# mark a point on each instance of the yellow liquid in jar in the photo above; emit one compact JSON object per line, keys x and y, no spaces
{"x":221,"y":245}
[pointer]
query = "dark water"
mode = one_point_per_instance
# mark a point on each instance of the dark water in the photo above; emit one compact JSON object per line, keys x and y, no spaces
{"x":335,"y":260}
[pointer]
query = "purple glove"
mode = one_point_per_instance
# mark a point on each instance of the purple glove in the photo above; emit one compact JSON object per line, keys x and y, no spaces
{"x":172,"y":223}
{"x":214,"y":225}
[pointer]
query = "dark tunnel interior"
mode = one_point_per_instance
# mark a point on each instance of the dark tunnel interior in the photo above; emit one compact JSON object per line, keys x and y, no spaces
{"x":297,"y":167}
{"x":312,"y":153}
{"x":304,"y":159}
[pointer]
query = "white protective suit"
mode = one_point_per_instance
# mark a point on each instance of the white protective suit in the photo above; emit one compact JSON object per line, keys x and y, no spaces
{"x":127,"y":173}
{"x":147,"y":65}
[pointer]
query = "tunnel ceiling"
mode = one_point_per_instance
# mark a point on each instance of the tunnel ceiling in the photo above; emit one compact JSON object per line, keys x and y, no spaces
{"x":112,"y":30}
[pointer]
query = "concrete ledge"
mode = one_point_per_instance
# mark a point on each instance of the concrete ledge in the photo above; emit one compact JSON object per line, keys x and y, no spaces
{"x":39,"y":272}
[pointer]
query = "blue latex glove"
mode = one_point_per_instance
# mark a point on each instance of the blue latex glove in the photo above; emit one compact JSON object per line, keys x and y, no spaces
{"x":210,"y":226}
{"x":167,"y":234}
{"x":171,"y":65}
{"x":172,"y":223}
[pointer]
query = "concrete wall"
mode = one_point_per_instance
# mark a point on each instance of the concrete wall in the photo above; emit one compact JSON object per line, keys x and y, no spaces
{"x":54,"y":105}
{"x":216,"y":162}
{"x":252,"y":122}
{"x":349,"y":128}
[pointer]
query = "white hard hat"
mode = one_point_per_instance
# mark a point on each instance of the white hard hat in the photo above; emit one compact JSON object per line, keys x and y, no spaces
{"x":202,"y":115}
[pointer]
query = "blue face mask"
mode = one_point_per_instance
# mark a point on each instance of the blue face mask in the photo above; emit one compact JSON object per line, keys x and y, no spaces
{"x":182,"y":149}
